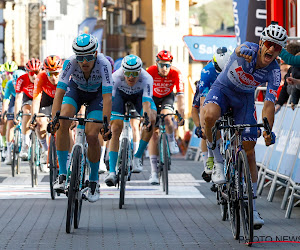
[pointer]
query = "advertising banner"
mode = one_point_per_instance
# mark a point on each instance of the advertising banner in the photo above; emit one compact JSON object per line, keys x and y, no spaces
{"x":34,"y":24}
{"x":202,"y":48}
{"x":240,"y":14}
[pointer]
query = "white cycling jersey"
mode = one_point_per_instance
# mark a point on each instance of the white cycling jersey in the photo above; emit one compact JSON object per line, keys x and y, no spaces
{"x":101,"y":74}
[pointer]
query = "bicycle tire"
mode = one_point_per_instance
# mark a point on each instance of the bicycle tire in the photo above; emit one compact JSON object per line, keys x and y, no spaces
{"x":53,"y":166}
{"x":14,"y":160}
{"x":166,"y":163}
{"x":233,"y":205}
{"x":246,"y":197}
{"x":36,"y":149}
{"x":124,"y":166}
{"x":73,"y":188}
{"x":31,"y":160}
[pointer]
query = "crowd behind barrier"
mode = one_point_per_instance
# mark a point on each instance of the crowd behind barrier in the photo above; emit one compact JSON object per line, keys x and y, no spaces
{"x":279,"y":164}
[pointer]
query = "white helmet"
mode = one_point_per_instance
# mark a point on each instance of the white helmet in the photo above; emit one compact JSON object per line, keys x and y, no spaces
{"x":274,"y":33}
{"x":220,"y":58}
{"x":84,"y":44}
{"x":132,"y":63}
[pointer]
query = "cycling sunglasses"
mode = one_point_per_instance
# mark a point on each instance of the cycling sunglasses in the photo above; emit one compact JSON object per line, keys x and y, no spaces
{"x":276,"y":46}
{"x":9,"y":73}
{"x":52,"y":73}
{"x":131,"y":73}
{"x":161,"y":65}
{"x":88,"y":58}
{"x":33,"y":72}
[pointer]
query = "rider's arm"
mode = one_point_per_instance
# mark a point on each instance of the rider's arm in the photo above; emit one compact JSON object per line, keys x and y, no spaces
{"x":107,"y":105}
{"x":195,"y":116}
{"x":18,"y":102}
{"x":59,"y":95}
{"x":6,"y":97}
{"x":238,"y":49}
{"x":180,"y":104}
{"x":269,"y":112}
{"x":289,"y":58}
{"x":36,"y":101}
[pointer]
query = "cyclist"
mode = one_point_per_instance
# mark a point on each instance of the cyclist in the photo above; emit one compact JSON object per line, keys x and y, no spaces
{"x":208,"y":75}
{"x":165,"y":77}
{"x":250,"y":66}
{"x":24,"y":95}
{"x":8,"y":106}
{"x":131,"y":83}
{"x":43,"y":95}
{"x":86,"y":78}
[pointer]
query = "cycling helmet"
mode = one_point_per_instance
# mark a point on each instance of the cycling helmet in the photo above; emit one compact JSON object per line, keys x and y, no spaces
{"x":132,"y":63}
{"x":17,"y":73}
{"x":112,"y":62}
{"x":274,"y":33}
{"x":164,"y":55}
{"x":33,"y":64}
{"x":52,"y":63}
{"x":10,"y":66}
{"x":85,"y":44}
{"x":220,"y":58}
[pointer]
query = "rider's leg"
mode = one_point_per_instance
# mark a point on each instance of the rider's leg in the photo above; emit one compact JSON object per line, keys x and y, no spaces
{"x":135,"y":125}
{"x":116,"y":129}
{"x":62,"y":137}
{"x":25,"y":125}
{"x":153,"y":150}
{"x":41,"y":131}
{"x":9,"y":137}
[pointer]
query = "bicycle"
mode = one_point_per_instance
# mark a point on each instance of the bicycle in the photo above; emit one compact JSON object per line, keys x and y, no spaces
{"x":53,"y":166}
{"x":236,"y":196}
{"x":125,"y":154}
{"x":34,"y":153}
{"x":164,"y":151}
{"x":76,"y":183}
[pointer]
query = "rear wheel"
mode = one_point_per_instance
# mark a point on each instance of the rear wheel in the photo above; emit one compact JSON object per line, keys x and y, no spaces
{"x":73,"y":188}
{"x":124,"y":167}
{"x":246,"y":197}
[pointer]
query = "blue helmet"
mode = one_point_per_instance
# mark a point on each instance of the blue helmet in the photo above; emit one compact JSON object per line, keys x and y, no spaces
{"x":85,"y":44}
{"x":17,"y":74}
{"x":132,"y":63}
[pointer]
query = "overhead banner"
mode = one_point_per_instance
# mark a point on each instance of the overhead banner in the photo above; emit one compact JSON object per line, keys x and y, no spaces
{"x":202,"y":48}
{"x":34,"y":24}
{"x":249,"y":19}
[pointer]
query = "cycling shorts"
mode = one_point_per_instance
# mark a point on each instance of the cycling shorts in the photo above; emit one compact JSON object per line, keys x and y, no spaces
{"x":166,"y":102}
{"x":46,"y":104}
{"x":77,"y":98}
{"x":242,"y":104}
{"x":26,"y":100}
{"x":119,"y":100}
{"x":11,"y":108}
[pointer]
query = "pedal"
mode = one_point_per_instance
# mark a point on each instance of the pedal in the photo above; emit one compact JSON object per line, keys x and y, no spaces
{"x":257,"y":227}
{"x":206,"y":177}
{"x":84,"y":197}
{"x":214,"y":188}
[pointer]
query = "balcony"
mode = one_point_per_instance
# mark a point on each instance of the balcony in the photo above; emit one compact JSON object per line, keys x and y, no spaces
{"x":115,"y":43}
{"x":137,"y":30}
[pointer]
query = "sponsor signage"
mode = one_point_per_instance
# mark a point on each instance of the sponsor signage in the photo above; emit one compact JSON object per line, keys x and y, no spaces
{"x":202,"y":48}
{"x":34,"y":24}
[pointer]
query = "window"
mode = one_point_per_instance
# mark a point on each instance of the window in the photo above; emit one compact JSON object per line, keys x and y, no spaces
{"x":163,"y":12}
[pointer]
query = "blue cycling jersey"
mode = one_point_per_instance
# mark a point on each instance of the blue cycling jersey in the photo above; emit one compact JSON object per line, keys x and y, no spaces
{"x":207,"y":78}
{"x":241,"y":76}
{"x":9,"y":90}
{"x":100,"y":75}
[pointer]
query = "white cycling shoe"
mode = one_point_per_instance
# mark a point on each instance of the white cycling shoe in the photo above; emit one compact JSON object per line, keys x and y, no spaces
{"x":137,"y":165}
{"x":93,"y":191}
{"x":44,"y":156}
{"x":153,"y":180}
{"x":102,"y":167}
{"x":24,"y":152}
{"x":59,"y":184}
{"x":218,"y":176}
{"x":258,"y":222}
{"x":174,"y":149}
{"x":111,"y":179}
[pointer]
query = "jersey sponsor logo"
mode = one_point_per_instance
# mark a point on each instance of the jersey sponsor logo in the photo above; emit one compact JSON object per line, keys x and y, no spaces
{"x":273,"y":92}
{"x":206,"y":71}
{"x":246,"y":78}
{"x":148,"y":90}
{"x":106,"y":74}
{"x":277,"y":77}
{"x":66,"y":71}
{"x":161,"y":90}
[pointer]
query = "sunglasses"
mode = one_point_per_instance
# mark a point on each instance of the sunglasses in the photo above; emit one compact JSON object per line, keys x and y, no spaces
{"x":131,"y":73}
{"x":88,"y":58}
{"x":33,"y":72}
{"x":9,"y":73}
{"x":276,"y":46}
{"x":52,"y":73}
{"x":167,"y":65}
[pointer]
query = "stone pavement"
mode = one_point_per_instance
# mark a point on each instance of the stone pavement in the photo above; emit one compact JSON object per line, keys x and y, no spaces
{"x":189,"y":218}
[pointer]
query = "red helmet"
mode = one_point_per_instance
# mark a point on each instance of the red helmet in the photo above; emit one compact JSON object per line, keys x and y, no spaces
{"x":164,"y":55}
{"x":33,"y":64}
{"x":52,"y":63}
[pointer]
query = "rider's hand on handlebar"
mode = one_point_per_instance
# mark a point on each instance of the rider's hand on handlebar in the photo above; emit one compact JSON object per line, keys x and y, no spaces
{"x":269,"y":139}
{"x":106,"y":136}
{"x":200,"y":132}
{"x":51,"y":128}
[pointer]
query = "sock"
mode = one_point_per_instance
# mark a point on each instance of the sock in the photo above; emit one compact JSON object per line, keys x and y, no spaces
{"x":254,"y":186}
{"x":27,"y":138}
{"x":106,"y":154}
{"x":4,"y":141}
{"x":62,"y":157}
{"x":216,"y":152}
{"x":170,"y":137}
{"x":9,"y":146}
{"x":141,"y":149}
{"x":23,"y":140}
{"x":102,"y":154}
{"x":43,"y":142}
{"x":153,"y":163}
{"x":210,"y":152}
{"x":135,"y":147}
{"x":94,"y":171}
{"x":113,"y":157}
{"x":204,"y":157}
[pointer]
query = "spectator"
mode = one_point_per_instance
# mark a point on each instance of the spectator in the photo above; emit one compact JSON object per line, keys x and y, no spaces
{"x":289,"y":55}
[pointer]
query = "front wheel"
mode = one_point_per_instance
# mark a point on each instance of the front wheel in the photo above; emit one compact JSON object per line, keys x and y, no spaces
{"x":166,"y":165}
{"x":124,"y":167}
{"x":246,"y":197}
{"x":73,"y":188}
{"x":53,"y":165}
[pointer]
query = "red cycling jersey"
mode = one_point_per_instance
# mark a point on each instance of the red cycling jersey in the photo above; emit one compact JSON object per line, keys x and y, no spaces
{"x":163,"y":86}
{"x":24,"y":84}
{"x":42,"y":83}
